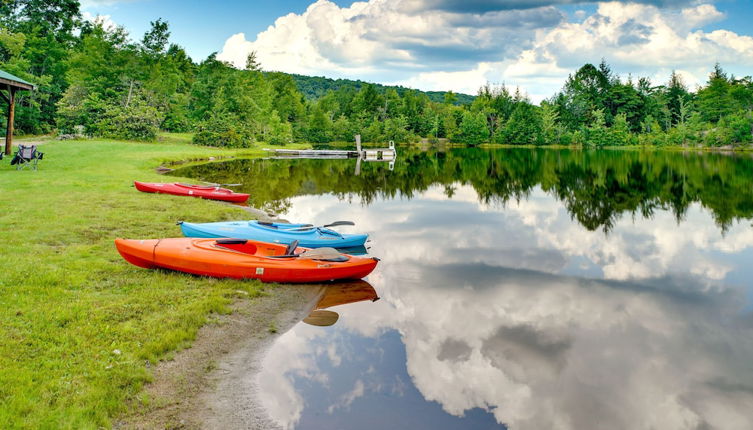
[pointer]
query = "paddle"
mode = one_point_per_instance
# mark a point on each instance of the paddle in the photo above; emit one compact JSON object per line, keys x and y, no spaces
{"x":334,"y":224}
{"x":273,"y":225}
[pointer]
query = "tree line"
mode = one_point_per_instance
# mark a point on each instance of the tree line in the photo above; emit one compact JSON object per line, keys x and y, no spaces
{"x":96,"y":81}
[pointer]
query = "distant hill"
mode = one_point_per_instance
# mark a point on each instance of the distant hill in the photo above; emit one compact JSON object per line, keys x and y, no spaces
{"x":314,"y":87}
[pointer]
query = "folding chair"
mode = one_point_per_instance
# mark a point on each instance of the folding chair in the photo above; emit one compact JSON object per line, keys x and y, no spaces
{"x":26,"y":156}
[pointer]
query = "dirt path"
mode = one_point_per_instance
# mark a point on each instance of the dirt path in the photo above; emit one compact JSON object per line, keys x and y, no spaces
{"x":211,"y":384}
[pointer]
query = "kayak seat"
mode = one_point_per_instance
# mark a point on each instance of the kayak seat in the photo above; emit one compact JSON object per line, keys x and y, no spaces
{"x":26,"y":157}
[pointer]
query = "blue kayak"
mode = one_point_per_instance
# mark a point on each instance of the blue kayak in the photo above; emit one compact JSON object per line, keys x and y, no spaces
{"x":307,"y":235}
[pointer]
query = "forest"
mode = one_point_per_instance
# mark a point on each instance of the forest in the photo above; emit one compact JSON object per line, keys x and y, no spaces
{"x":93,"y":80}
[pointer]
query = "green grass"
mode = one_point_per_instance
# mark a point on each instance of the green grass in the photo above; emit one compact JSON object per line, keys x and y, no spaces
{"x":68,"y":301}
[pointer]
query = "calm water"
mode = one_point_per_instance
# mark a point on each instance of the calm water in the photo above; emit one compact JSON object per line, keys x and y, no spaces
{"x":529,"y":289}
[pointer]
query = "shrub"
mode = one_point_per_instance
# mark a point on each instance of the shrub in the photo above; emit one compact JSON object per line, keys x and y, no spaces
{"x":223,"y":129}
{"x":740,"y":126}
{"x":137,"y":121}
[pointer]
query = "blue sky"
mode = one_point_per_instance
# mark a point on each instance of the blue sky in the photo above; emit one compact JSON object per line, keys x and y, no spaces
{"x":456,"y":44}
{"x":199,"y":26}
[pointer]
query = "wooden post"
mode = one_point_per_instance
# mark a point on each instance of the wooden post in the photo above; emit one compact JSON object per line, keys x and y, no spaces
{"x":11,"y":113}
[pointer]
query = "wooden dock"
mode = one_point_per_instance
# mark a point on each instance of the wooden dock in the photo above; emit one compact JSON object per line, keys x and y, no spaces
{"x":367,"y":154}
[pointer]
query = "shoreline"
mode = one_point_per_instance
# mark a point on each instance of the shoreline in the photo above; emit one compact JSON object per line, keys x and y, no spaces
{"x":212,"y":384}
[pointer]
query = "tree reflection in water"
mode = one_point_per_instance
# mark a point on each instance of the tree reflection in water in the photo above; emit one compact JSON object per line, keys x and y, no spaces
{"x":596,"y":187}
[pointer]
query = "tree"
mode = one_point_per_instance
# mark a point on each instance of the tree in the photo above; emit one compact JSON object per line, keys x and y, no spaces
{"x":597,"y":133}
{"x":714,"y":100}
{"x":155,"y":40}
{"x":473,"y":129}
{"x":251,"y":62}
{"x":677,"y":97}
{"x":368,"y":100}
{"x":584,"y":93}
{"x":524,"y":126}
{"x":550,"y":128}
{"x":48,"y":36}
{"x":319,"y":126}
{"x":450,"y":98}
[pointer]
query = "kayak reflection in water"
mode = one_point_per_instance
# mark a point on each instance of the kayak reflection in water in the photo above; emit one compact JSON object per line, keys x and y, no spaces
{"x":341,"y":293}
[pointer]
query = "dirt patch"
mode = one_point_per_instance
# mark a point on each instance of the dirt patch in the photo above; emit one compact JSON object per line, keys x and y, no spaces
{"x":208,"y":386}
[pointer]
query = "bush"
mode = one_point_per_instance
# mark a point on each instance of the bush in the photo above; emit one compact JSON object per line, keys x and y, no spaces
{"x":137,"y":121}
{"x":740,"y":128}
{"x":223,"y":129}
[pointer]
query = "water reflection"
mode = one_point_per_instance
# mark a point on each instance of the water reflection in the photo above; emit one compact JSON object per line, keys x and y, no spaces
{"x":504,"y":302}
{"x":516,"y":315}
{"x":337,"y":294}
{"x":597,"y":187}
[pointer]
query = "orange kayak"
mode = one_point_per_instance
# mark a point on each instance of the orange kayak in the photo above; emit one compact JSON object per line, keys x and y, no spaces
{"x":240,"y":258}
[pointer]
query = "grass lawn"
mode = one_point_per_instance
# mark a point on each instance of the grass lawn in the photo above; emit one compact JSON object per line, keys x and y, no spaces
{"x":79,"y":326}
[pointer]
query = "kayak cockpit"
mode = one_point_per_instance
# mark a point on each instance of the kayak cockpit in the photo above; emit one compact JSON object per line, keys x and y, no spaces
{"x":244,"y":246}
{"x":237,"y":245}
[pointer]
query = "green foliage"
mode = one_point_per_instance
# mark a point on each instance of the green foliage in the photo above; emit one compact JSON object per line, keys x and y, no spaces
{"x":619,"y":133}
{"x":524,"y":126}
{"x":714,"y":100}
{"x":319,"y":126}
{"x":155,"y":40}
{"x":136,"y":121}
{"x":316,"y":87}
{"x":597,"y":134}
{"x":280,"y":132}
{"x":741,"y":127}
{"x":223,"y":129}
{"x":473,"y":129}
{"x":396,"y":129}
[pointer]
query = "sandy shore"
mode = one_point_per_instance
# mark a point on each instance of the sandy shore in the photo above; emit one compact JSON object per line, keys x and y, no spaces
{"x":212,"y":384}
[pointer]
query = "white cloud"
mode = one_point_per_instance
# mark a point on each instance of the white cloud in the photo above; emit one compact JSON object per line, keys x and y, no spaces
{"x":93,"y":4}
{"x":454,"y":46}
{"x":383,"y":38}
{"x":105,"y":20}
{"x":348,"y":398}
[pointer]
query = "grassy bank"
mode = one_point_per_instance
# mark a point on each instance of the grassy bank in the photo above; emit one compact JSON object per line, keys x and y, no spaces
{"x":79,"y":327}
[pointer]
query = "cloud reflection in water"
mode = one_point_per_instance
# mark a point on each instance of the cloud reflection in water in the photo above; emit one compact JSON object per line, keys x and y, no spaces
{"x":522,"y":312}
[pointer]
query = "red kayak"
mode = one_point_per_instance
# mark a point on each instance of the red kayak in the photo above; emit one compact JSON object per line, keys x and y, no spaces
{"x":203,"y":191}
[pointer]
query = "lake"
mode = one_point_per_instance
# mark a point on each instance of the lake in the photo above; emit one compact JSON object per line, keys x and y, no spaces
{"x":521,"y":288}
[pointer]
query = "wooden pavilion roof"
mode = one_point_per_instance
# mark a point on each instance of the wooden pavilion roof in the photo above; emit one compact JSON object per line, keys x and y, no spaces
{"x":8,"y":80}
